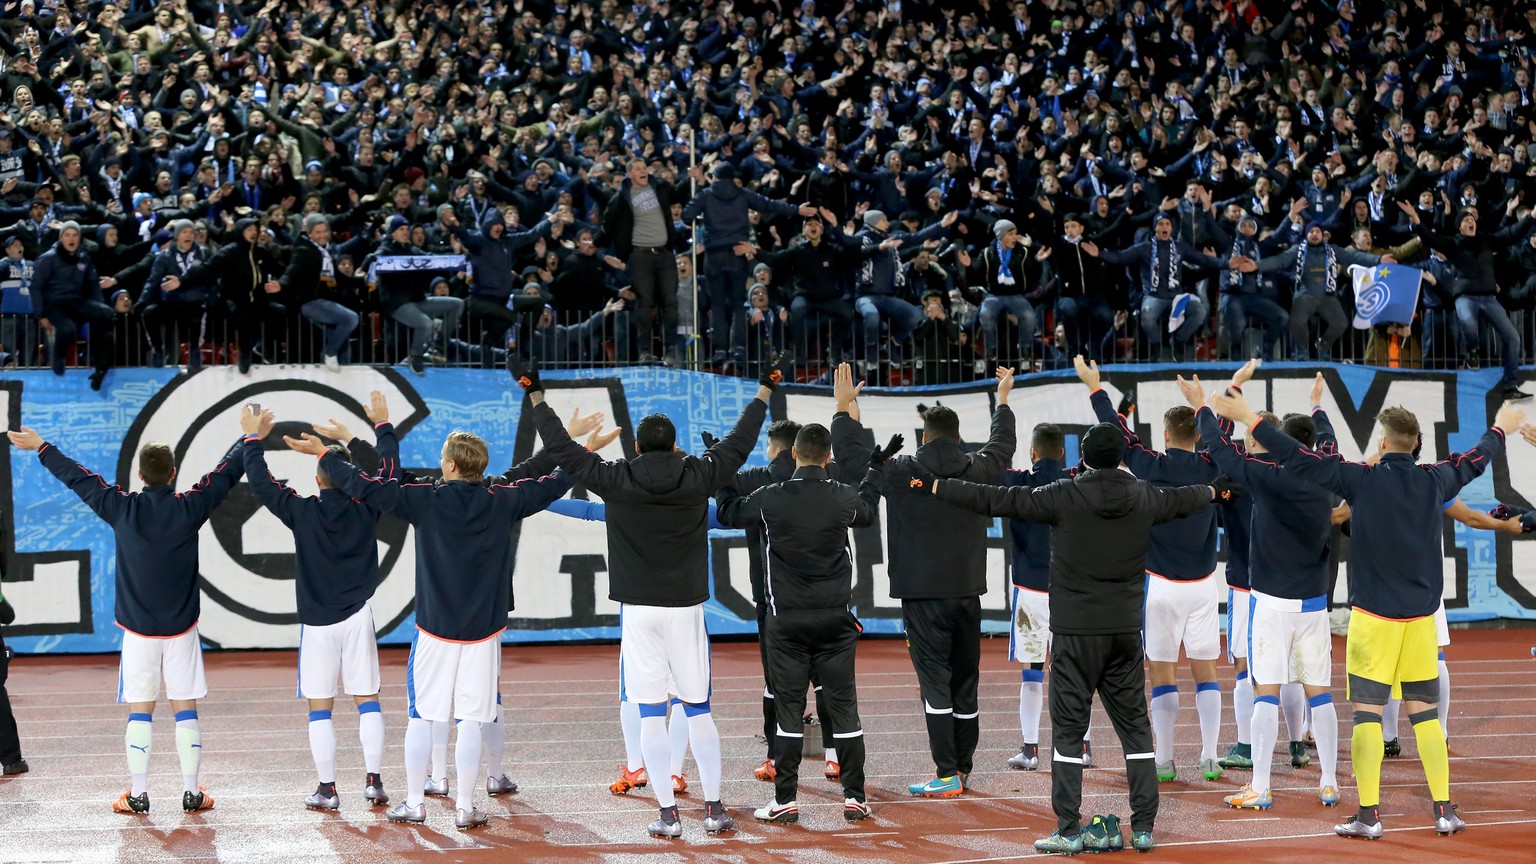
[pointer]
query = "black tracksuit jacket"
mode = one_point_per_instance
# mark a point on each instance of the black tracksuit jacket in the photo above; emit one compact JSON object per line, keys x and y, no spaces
{"x":938,"y":551}
{"x":806,"y":520}
{"x":1101,"y":524}
{"x":658,"y":508}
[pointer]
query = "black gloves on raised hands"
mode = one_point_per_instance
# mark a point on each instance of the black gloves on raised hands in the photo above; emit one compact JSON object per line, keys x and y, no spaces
{"x":1225,"y":490}
{"x":1127,"y":403}
{"x":878,"y":458}
{"x":780,"y":370}
{"x":709,"y":440}
{"x":525,"y":374}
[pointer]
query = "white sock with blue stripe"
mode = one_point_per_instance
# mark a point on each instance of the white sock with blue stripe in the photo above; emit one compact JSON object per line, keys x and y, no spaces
{"x":705,"y":739}
{"x":137,"y":745}
{"x":629,"y":721}
{"x":1165,"y":712}
{"x":1325,"y":728}
{"x":1208,"y":707}
{"x":657,"y":749}
{"x":370,"y":734}
{"x":189,"y":746}
{"x":1031,"y":699}
{"x":677,"y":730}
{"x":322,"y":745}
{"x":1242,"y":707}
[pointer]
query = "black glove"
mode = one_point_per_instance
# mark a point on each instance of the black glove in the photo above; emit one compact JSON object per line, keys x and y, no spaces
{"x":878,"y":458}
{"x":1504,"y":511}
{"x":709,"y":440}
{"x":1226,"y":491}
{"x":780,"y":370}
{"x":1127,"y":403}
{"x":525,"y":374}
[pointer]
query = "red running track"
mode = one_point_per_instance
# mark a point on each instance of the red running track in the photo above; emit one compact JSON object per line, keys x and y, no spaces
{"x":564,"y":743}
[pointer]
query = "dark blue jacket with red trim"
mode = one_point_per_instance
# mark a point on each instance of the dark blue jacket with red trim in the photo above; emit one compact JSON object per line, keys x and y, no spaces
{"x":1183,"y":550}
{"x":335,"y":538}
{"x":156,"y":533}
{"x":1031,"y":566}
{"x":1292,"y":523}
{"x":463,"y":549}
{"x":1397,"y":509}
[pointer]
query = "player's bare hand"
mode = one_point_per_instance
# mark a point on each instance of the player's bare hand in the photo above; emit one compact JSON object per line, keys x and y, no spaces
{"x":1244,"y":374}
{"x":1315,"y":398}
{"x":305,"y":443}
{"x":1087,"y":371}
{"x":1192,"y":392}
{"x":844,"y":391}
{"x":1232,"y":405}
{"x":600,"y":439}
{"x":1510,"y":418}
{"x":335,"y":431}
{"x":1004,"y":384}
{"x":26,"y":438}
{"x":1341,"y":514}
{"x":378,"y":408}
{"x":579,"y":425}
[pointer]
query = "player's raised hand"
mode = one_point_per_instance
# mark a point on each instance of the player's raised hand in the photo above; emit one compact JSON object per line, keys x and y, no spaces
{"x":1527,"y":431}
{"x":844,"y":391}
{"x":1244,"y":374}
{"x":881,"y":456}
{"x":305,"y":443}
{"x":525,"y":374}
{"x":1315,"y":398}
{"x":600,"y":439}
{"x":709,"y":439}
{"x":26,"y":438}
{"x":1004,"y":384}
{"x":378,"y":408}
{"x":336,"y":431}
{"x":1232,"y":405}
{"x":578,"y":425}
{"x":1192,"y":392}
{"x":1087,"y":372}
{"x":1510,"y":418}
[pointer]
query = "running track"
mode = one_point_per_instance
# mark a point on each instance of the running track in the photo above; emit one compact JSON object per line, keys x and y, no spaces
{"x":564,"y":743}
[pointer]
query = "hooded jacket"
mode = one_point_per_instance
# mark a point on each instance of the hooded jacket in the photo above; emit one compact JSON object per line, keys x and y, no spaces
{"x":492,"y":258}
{"x":303,"y":280}
{"x":169,"y":263}
{"x":62,"y":279}
{"x":725,"y":206}
{"x":938,"y":551}
{"x":1101,"y":522}
{"x":657,"y":508}
{"x":239,"y":269}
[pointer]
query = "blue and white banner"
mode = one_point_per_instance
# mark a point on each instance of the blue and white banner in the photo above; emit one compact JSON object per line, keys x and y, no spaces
{"x":59,"y":563}
{"x":1385,"y":294}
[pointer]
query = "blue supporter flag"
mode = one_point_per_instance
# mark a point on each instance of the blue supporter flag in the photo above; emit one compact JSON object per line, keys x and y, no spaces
{"x":1385,"y":294}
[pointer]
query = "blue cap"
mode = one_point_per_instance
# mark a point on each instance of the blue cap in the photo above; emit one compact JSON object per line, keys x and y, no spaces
{"x":396,"y":223}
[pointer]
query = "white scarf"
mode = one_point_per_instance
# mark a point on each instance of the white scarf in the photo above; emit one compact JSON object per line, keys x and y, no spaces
{"x":1174,"y":265}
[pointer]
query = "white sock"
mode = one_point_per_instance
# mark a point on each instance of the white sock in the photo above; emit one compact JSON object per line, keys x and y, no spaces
{"x":705,"y":739}
{"x":629,"y":721}
{"x":495,"y":736}
{"x":418,"y":755}
{"x":466,"y":757}
{"x":322,"y":745}
{"x":189,"y":746}
{"x":440,"y":749}
{"x":831,"y":754}
{"x":370,"y":734}
{"x":136,"y":743}
{"x":677,"y":731}
{"x":1444,"y":705}
{"x":1208,"y":707}
{"x":1266,"y":728}
{"x":656,"y":745}
{"x":1325,"y":728}
{"x":1293,"y":702}
{"x":1165,"y":712}
{"x":1389,"y":719}
{"x":1242,"y":707}
{"x":1031,"y":699}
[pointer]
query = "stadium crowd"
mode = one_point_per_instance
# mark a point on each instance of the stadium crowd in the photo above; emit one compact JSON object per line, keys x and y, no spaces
{"x":906,"y":184}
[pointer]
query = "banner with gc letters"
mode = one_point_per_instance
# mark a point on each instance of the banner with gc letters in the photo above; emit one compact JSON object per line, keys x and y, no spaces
{"x":59,"y":564}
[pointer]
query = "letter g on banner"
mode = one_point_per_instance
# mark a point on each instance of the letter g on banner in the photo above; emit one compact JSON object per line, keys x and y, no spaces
{"x":247,"y":555}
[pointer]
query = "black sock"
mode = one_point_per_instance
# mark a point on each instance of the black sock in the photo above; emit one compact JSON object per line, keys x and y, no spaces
{"x":1369,"y":815}
{"x":669,"y":814}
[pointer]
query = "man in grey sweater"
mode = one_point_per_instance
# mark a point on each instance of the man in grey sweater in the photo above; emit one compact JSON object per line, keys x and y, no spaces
{"x":1314,"y":265}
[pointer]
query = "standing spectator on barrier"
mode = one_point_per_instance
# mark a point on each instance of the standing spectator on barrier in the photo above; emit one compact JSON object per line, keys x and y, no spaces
{"x":816,"y":263}
{"x":1001,"y":270}
{"x":67,"y":295}
{"x":1313,"y":264}
{"x":881,"y":290}
{"x":1082,"y":301}
{"x":171,"y":314}
{"x":311,"y":280}
{"x":403,"y":296}
{"x":724,"y":206}
{"x":1476,"y":287}
{"x":637,"y":226}
{"x":494,"y":300}
{"x":245,"y":273}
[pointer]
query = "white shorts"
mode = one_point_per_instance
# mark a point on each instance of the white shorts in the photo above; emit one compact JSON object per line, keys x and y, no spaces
{"x":662,"y":648}
{"x":346,"y":649}
{"x":1237,"y":624}
{"x":1442,"y":627}
{"x":145,"y":658}
{"x":446,"y":680}
{"x":1287,"y":645}
{"x":1029,"y":640}
{"x":1181,"y":612}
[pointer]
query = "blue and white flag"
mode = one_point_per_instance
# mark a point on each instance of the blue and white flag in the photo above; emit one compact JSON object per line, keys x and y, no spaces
{"x":1178,"y":310}
{"x":1385,"y":294}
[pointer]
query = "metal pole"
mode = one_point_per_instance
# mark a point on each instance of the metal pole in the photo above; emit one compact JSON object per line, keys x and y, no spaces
{"x":693,"y":249}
